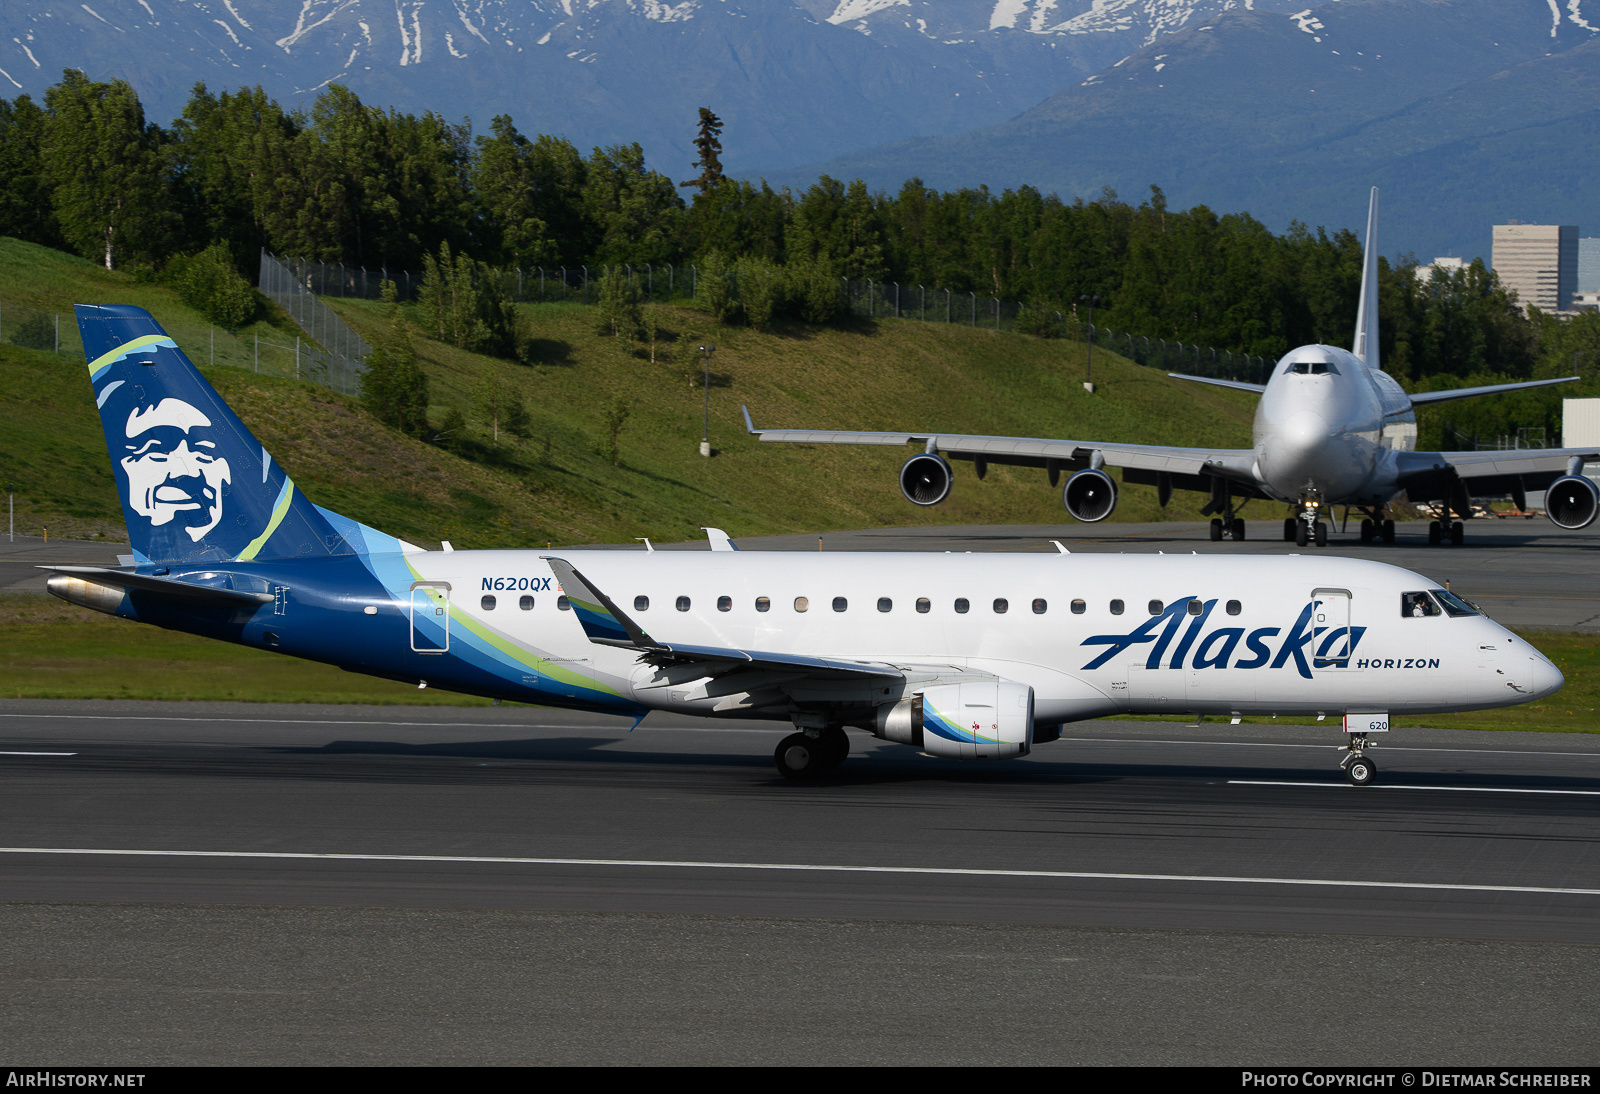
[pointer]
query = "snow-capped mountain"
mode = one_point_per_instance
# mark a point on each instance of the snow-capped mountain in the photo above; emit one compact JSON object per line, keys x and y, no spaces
{"x":1464,"y":111}
{"x":795,"y":80}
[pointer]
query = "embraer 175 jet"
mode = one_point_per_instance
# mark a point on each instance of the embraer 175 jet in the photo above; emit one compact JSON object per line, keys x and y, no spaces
{"x":969,"y":656}
{"x":1332,"y":428}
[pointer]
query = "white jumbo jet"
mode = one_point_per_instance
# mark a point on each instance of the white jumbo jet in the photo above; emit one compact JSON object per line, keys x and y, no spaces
{"x":957,"y":655}
{"x":1332,"y":428}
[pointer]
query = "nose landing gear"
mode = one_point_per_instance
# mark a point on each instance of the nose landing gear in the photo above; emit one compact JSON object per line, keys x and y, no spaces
{"x":1358,"y":766}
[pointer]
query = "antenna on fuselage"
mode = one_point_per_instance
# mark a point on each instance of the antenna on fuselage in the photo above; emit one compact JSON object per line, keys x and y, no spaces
{"x":1366,"y":343}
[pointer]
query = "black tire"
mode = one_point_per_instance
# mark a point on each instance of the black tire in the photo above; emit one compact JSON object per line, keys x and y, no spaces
{"x":1368,"y":531}
{"x":1288,"y":529}
{"x":1300,"y":536}
{"x":1435,"y":534}
{"x":1238,"y":529}
{"x":1216,"y":530}
{"x":1458,"y":534}
{"x":1388,"y":531}
{"x":1322,"y":534}
{"x":835,"y":744}
{"x":1361,"y":771}
{"x":800,"y":757}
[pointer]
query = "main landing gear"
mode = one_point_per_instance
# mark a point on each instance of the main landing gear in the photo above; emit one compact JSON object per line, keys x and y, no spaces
{"x":810,"y":752}
{"x":1358,"y":766}
{"x":1375,"y":528}
{"x":1441,"y":530}
{"x":1233,"y":528}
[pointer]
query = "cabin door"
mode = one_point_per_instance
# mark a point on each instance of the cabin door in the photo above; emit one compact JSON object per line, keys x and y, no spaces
{"x":1330,"y":615}
{"x":430,"y":617}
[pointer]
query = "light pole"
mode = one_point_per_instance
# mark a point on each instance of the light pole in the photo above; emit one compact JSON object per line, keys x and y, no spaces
{"x":705,"y":437}
{"x":11,"y":512}
{"x":1088,"y":371}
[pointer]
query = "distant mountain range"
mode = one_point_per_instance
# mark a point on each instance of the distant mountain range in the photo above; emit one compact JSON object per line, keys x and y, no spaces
{"x":1464,"y":111}
{"x":795,"y":81}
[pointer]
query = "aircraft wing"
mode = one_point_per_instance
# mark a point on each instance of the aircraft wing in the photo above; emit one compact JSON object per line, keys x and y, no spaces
{"x":1427,"y":398}
{"x":608,"y":625}
{"x":1236,"y":385}
{"x":1067,"y":455}
{"x":1490,"y":472}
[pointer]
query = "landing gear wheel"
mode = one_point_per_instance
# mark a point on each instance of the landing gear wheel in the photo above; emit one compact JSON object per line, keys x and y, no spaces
{"x":1361,"y":771}
{"x":1288,"y":529}
{"x":1388,"y":531}
{"x":1322,"y":534}
{"x":1435,"y":534}
{"x":1216,"y":530}
{"x":800,"y":757}
{"x":835,"y":745}
{"x":1367,"y":531}
{"x":1238,"y":529}
{"x":1301,"y":536}
{"x":1458,"y":534}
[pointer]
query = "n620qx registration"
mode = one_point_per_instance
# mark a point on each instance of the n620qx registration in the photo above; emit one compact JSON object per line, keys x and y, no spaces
{"x":962,"y":656}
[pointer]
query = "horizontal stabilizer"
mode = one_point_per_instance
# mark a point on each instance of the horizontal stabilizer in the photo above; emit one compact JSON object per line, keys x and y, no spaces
{"x":1237,"y":385}
{"x":165,"y":587}
{"x":1426,"y":398}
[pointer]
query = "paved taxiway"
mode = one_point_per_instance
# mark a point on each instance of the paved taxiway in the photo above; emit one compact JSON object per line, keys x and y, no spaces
{"x":1134,"y":894}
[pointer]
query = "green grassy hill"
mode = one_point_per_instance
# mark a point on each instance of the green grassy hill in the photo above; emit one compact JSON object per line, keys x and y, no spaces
{"x":560,"y":485}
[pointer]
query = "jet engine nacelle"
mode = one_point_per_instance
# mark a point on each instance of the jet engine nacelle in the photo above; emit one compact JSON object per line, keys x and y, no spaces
{"x":1090,"y":495}
{"x":925,"y":479}
{"x":984,"y":720}
{"x":1572,"y":502}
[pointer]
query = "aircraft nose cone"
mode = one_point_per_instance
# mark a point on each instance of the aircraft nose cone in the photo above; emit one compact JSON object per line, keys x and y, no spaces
{"x":1544,"y":679}
{"x":1297,"y":445}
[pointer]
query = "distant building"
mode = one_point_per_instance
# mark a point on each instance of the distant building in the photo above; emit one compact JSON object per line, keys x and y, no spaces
{"x":1443,"y":265}
{"x":1589,"y":265}
{"x":1539,"y":262}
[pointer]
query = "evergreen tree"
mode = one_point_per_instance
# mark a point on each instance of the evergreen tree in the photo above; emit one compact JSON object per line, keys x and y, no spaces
{"x":394,"y":387}
{"x":710,"y":145}
{"x":104,"y":169}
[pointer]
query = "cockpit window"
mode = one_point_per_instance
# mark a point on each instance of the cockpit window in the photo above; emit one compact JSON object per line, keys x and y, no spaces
{"x":1453,"y":604}
{"x":1311,"y":368}
{"x":1417,"y":606}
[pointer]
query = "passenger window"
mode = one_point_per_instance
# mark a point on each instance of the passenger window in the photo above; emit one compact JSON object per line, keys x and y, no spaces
{"x":526,"y":603}
{"x":1155,"y":607}
{"x":962,"y":605}
{"x":1040,"y":607}
{"x":1417,"y":605}
{"x":840,"y":603}
{"x":1000,"y":605}
{"x":1116,"y":607}
{"x":1195,"y":607}
{"x":641,"y":603}
{"x":924,"y":605}
{"x":724,"y":603}
{"x":801,"y":603}
{"x":885,"y":604}
{"x":683,"y":604}
{"x":563,"y":603}
{"x":763,"y":604}
{"x":1233,"y":607}
{"x":1079,"y":607}
{"x":487,"y":603}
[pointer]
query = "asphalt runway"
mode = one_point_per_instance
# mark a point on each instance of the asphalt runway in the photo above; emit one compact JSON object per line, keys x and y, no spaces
{"x":341,"y":884}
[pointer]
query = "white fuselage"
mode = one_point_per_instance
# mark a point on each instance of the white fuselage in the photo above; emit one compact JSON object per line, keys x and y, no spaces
{"x":1258,"y":639}
{"x":1327,"y":428}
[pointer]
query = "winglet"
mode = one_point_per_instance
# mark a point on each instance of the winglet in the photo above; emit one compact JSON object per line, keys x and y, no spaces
{"x":1366,"y":343}
{"x":720,"y":540}
{"x":749,"y":426}
{"x":604,"y":622}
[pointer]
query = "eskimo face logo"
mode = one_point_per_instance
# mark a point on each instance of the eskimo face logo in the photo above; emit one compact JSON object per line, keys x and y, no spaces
{"x":174,"y":472}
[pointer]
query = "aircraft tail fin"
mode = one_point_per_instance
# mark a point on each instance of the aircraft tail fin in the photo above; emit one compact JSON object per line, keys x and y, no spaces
{"x":195,"y":484}
{"x":1366,"y":343}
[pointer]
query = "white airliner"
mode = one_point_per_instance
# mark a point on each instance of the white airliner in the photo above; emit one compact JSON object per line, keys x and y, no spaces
{"x":967,"y":656}
{"x":1331,"y":429}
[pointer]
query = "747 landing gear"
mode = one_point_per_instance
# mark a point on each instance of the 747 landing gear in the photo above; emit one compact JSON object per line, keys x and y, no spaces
{"x":807,"y":754}
{"x":1358,"y":766}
